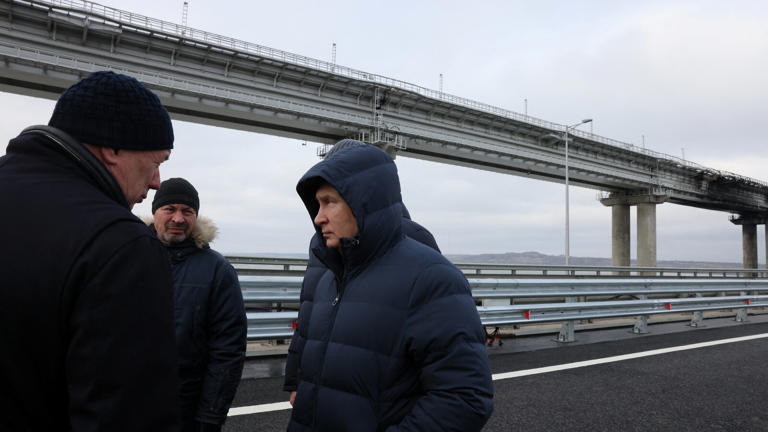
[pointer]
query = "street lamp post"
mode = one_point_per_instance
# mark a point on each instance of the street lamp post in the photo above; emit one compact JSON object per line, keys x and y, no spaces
{"x":567,"y":215}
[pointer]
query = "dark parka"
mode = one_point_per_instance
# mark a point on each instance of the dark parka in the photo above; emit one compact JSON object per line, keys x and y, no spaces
{"x":394,"y":339}
{"x":86,"y":306}
{"x":312,"y":275}
{"x":211,"y":327}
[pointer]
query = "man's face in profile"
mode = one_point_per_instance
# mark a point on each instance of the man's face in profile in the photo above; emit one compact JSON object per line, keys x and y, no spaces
{"x":334,"y":216}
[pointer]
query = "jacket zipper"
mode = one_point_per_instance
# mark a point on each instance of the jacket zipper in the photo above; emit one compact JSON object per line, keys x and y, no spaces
{"x":340,"y":285}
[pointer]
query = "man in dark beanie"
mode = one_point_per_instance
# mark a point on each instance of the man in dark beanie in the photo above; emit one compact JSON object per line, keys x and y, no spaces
{"x":86,"y":300}
{"x":211,"y":327}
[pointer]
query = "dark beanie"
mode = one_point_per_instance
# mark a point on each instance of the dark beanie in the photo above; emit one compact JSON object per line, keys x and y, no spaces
{"x":106,"y":109}
{"x":176,"y":191}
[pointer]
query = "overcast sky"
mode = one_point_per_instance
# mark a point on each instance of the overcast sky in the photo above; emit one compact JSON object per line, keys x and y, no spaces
{"x":689,"y":76}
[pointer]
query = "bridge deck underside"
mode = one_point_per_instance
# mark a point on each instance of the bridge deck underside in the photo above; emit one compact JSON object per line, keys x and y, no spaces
{"x":45,"y":49}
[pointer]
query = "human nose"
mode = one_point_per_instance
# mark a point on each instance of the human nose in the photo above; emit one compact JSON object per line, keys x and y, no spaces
{"x":320,"y":218}
{"x":154,"y":183}
{"x":177,"y":217}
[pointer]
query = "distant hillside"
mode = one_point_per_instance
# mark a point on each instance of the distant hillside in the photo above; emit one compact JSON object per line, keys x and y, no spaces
{"x":542,"y":259}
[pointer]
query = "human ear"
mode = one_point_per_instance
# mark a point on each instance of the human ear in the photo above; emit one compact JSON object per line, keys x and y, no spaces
{"x":108,"y":155}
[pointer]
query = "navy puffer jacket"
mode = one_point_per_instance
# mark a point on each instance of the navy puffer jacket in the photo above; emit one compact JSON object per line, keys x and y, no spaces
{"x":394,"y":339}
{"x":314,"y":272}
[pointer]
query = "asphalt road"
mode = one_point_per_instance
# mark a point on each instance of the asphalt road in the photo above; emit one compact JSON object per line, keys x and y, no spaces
{"x":718,"y":387}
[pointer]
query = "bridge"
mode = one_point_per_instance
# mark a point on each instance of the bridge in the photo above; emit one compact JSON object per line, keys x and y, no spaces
{"x":216,"y":80}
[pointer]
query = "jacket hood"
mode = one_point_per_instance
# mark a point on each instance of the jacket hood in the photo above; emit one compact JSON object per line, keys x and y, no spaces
{"x":366,"y":178}
{"x":204,"y":232}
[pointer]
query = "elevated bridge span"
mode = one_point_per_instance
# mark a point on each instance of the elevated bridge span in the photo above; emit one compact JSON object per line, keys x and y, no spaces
{"x":202,"y":77}
{"x":46,"y":45}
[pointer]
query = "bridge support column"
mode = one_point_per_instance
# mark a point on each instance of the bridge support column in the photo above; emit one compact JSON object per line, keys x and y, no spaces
{"x":749,"y":245}
{"x":646,"y":228}
{"x":646,"y":235}
{"x":620,"y":238}
{"x":749,"y":224}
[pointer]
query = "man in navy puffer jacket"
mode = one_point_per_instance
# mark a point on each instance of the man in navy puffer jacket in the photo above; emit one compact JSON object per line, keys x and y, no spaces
{"x":394,"y":341}
{"x":314,"y":272}
{"x":312,"y":275}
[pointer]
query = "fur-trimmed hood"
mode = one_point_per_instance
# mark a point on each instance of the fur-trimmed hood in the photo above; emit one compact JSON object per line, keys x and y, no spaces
{"x":204,"y":232}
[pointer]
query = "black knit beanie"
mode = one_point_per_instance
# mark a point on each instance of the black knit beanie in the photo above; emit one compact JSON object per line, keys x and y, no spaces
{"x":106,"y":109}
{"x":176,"y":191}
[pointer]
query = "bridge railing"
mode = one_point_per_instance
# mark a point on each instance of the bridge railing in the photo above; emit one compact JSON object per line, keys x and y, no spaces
{"x":265,"y":266}
{"x":266,"y":290}
{"x":533,"y":301}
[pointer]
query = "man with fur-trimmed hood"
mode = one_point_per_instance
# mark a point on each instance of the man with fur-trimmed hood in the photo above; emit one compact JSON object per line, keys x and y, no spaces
{"x":211,"y":326}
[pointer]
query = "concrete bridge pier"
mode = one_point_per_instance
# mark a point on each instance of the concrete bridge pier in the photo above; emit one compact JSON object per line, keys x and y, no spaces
{"x":749,"y":245}
{"x":646,"y":228}
{"x":646,"y":235}
{"x":620,"y":245}
{"x":749,"y":223}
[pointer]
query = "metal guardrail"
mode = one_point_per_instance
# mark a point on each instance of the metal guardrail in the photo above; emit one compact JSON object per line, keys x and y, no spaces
{"x":556,"y":312}
{"x":265,"y":266}
{"x":280,"y":325}
{"x":260,"y":290}
{"x":270,"y":325}
{"x":568,"y":313}
{"x":575,"y":271}
{"x":581,"y":299}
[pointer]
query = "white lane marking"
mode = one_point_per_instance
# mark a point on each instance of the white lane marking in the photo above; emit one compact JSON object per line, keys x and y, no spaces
{"x":618,"y":358}
{"x":278,"y":406}
{"x":256,"y":409}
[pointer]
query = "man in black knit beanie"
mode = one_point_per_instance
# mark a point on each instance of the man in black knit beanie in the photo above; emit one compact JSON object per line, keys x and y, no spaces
{"x":86,"y":300}
{"x":211,"y":327}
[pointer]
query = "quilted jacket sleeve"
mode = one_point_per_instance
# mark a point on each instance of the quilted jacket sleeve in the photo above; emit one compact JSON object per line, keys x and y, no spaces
{"x":445,"y":339}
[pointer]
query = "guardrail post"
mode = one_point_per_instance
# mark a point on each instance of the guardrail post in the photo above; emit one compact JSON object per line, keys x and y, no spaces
{"x":698,"y":316}
{"x":641,"y":321}
{"x":641,"y":325}
{"x":697,"y":319}
{"x":741,"y":313}
{"x":567,"y":327}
